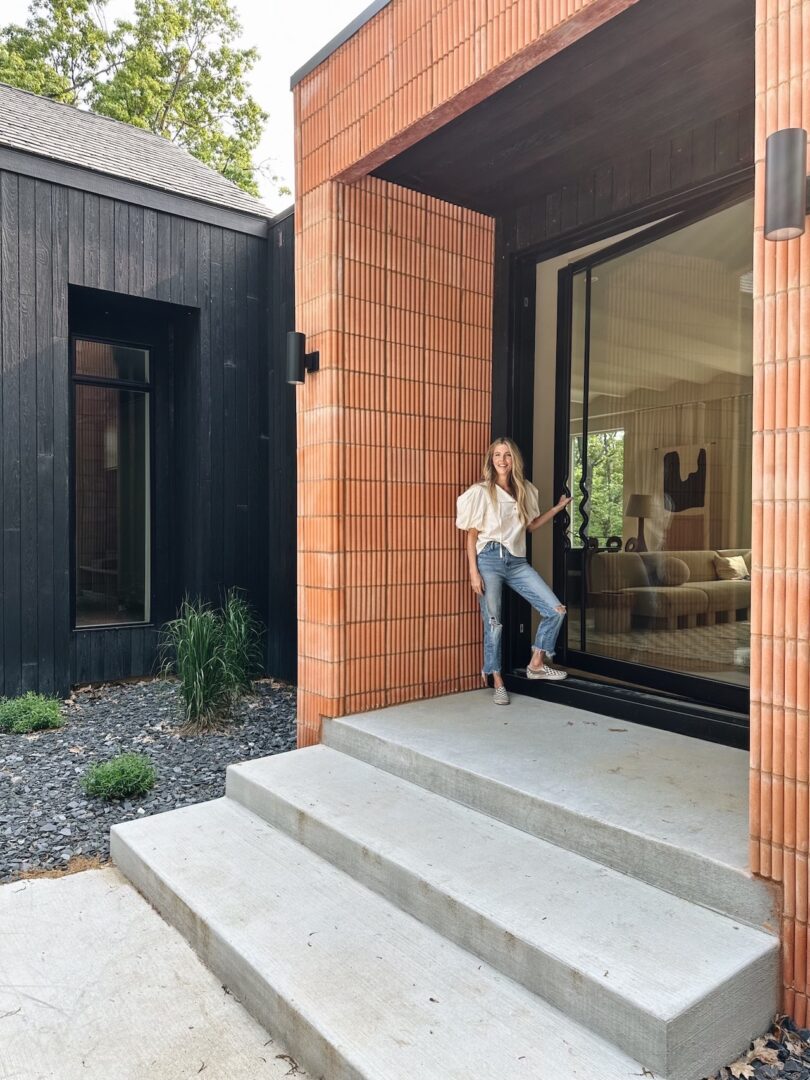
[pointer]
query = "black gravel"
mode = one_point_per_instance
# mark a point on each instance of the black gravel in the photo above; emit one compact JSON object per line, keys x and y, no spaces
{"x":46,"y":820}
{"x":783,"y":1054}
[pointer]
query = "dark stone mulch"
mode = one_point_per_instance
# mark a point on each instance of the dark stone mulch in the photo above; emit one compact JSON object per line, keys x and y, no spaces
{"x":46,"y":820}
{"x":782,"y":1054}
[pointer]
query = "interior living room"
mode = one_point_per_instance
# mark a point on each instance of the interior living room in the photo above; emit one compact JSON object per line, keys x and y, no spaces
{"x":655,"y":339}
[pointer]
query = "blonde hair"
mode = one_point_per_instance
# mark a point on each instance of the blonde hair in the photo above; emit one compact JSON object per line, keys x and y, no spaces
{"x":517,"y":481}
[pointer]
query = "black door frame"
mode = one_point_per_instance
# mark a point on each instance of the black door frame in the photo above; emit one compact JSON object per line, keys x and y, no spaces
{"x":680,"y":704}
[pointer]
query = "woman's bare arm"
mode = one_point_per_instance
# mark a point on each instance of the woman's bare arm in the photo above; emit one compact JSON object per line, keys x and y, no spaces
{"x":476,"y":581}
{"x":561,"y":504}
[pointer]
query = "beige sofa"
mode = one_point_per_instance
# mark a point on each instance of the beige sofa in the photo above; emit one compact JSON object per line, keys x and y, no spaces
{"x":625,"y":588}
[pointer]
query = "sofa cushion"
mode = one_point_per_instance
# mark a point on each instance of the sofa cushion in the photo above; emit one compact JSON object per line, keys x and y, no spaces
{"x":611,"y":571}
{"x":661,"y":602}
{"x":725,"y":595}
{"x":700,"y":563}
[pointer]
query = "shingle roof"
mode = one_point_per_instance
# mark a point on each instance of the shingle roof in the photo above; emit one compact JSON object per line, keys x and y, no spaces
{"x":61,"y":132}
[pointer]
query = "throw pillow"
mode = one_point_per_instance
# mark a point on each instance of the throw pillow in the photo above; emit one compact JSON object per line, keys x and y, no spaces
{"x":731,"y":568}
{"x":665,"y":569}
{"x":672,"y":571}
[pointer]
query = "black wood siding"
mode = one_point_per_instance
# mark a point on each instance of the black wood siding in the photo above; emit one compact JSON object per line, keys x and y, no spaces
{"x":52,"y":237}
{"x":282,"y":636}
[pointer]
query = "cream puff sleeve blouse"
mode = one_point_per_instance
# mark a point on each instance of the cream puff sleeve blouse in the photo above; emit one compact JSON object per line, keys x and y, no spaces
{"x":496,"y":521}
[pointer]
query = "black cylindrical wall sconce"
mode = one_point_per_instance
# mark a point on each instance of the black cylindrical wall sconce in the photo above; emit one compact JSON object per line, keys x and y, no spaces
{"x":786,"y":185}
{"x":299,"y":361}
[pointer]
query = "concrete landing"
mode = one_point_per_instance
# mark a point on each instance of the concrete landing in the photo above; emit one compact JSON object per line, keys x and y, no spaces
{"x":95,"y":985}
{"x":665,"y":808}
{"x":452,"y":891}
{"x":638,"y":966}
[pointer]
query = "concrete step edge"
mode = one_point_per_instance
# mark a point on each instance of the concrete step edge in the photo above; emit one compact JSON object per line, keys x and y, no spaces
{"x":145,"y":852}
{"x":671,"y":1044}
{"x":713,"y":885}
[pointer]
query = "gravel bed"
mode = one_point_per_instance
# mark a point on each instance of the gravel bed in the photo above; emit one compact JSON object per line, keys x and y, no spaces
{"x":782,"y":1054}
{"x":46,"y":820}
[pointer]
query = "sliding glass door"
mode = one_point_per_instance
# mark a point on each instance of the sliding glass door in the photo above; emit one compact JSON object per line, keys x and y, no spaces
{"x":656,"y":559}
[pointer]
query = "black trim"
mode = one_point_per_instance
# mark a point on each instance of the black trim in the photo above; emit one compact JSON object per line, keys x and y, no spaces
{"x":675,"y":701}
{"x":110,"y":384}
{"x":338,"y":40}
{"x":129,"y":191}
{"x":668,"y":712}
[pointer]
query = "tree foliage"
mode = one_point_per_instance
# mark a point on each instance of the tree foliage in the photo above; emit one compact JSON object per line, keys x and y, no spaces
{"x":174,"y":69}
{"x":605,"y":466}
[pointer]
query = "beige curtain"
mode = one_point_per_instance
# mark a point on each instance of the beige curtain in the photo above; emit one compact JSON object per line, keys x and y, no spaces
{"x":648,"y":432}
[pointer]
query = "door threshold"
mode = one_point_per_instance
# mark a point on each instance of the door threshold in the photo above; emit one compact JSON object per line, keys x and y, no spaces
{"x":680,"y":715}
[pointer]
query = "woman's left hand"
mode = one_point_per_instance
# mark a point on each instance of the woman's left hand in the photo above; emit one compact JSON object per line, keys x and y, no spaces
{"x":563,"y":501}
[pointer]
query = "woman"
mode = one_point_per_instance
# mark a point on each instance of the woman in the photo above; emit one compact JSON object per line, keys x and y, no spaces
{"x":497,"y":513}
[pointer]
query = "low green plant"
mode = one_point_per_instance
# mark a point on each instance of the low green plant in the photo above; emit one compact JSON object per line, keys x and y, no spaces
{"x":241,"y":642}
{"x":31,"y":712}
{"x":193,"y":649}
{"x":124,"y":777}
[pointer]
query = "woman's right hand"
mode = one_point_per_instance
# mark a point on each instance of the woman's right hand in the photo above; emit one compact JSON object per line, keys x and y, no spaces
{"x":477,"y":583}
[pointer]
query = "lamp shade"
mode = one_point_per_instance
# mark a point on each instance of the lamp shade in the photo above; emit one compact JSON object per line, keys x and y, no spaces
{"x":641,"y":506}
{"x":785,"y":184}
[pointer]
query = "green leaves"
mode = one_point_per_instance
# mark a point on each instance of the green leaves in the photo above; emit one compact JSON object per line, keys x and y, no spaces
{"x":174,"y":69}
{"x":214,"y":654}
{"x":30,"y":712}
{"x":127,"y":776}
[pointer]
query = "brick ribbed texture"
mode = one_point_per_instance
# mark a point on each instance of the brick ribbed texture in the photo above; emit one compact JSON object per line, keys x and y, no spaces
{"x":419,"y":63}
{"x":395,"y":291}
{"x":389,"y":431}
{"x":780,"y":653}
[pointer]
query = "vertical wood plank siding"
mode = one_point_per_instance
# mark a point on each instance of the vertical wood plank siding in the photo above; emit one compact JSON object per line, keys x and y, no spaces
{"x":225,"y":420}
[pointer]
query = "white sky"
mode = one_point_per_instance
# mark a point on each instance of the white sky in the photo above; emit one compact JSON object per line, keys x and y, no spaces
{"x":286,"y":36}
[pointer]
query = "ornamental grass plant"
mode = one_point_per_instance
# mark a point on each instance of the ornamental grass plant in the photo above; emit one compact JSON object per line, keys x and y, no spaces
{"x":241,"y":642}
{"x":193,"y":650}
{"x":127,"y":776}
{"x":214,"y":654}
{"x":30,"y":712}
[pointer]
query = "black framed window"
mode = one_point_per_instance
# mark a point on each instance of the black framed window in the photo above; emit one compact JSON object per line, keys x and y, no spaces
{"x":656,"y":397}
{"x":112,"y":483}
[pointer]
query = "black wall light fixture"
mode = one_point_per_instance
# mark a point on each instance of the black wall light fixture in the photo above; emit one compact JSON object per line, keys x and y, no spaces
{"x":787,"y":185}
{"x":299,"y":361}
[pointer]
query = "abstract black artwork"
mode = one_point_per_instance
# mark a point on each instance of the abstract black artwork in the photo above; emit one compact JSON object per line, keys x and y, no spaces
{"x":684,"y":494}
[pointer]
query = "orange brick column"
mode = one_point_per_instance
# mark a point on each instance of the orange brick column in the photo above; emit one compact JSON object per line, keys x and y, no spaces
{"x":394,"y":290}
{"x":780,"y":657}
{"x":397,"y":299}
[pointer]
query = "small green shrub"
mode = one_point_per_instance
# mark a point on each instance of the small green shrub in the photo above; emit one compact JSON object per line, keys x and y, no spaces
{"x":192,"y":648}
{"x":31,"y":712}
{"x":124,"y":777}
{"x":241,"y":642}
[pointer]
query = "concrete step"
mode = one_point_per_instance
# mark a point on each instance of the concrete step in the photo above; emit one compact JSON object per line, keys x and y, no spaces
{"x":678,"y":987}
{"x":356,"y":988}
{"x":663,"y":808}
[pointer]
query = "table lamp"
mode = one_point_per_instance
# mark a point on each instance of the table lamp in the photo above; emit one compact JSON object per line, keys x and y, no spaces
{"x":640,"y":506}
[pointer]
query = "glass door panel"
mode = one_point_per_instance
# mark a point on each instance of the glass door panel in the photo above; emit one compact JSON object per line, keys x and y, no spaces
{"x":658,"y":559}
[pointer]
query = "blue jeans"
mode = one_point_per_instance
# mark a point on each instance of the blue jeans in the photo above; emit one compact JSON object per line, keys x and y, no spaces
{"x":497,"y":566}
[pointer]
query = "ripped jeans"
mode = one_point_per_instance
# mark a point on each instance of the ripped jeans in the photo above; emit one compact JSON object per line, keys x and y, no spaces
{"x":497,"y":566}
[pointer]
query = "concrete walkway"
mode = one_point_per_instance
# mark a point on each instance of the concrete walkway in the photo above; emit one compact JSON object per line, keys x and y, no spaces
{"x":94,"y":985}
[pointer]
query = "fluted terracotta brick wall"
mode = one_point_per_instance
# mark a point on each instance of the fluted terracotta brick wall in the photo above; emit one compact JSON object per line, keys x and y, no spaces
{"x":780,"y":653}
{"x":389,"y":430}
{"x":417,"y":64}
{"x":395,"y":291}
